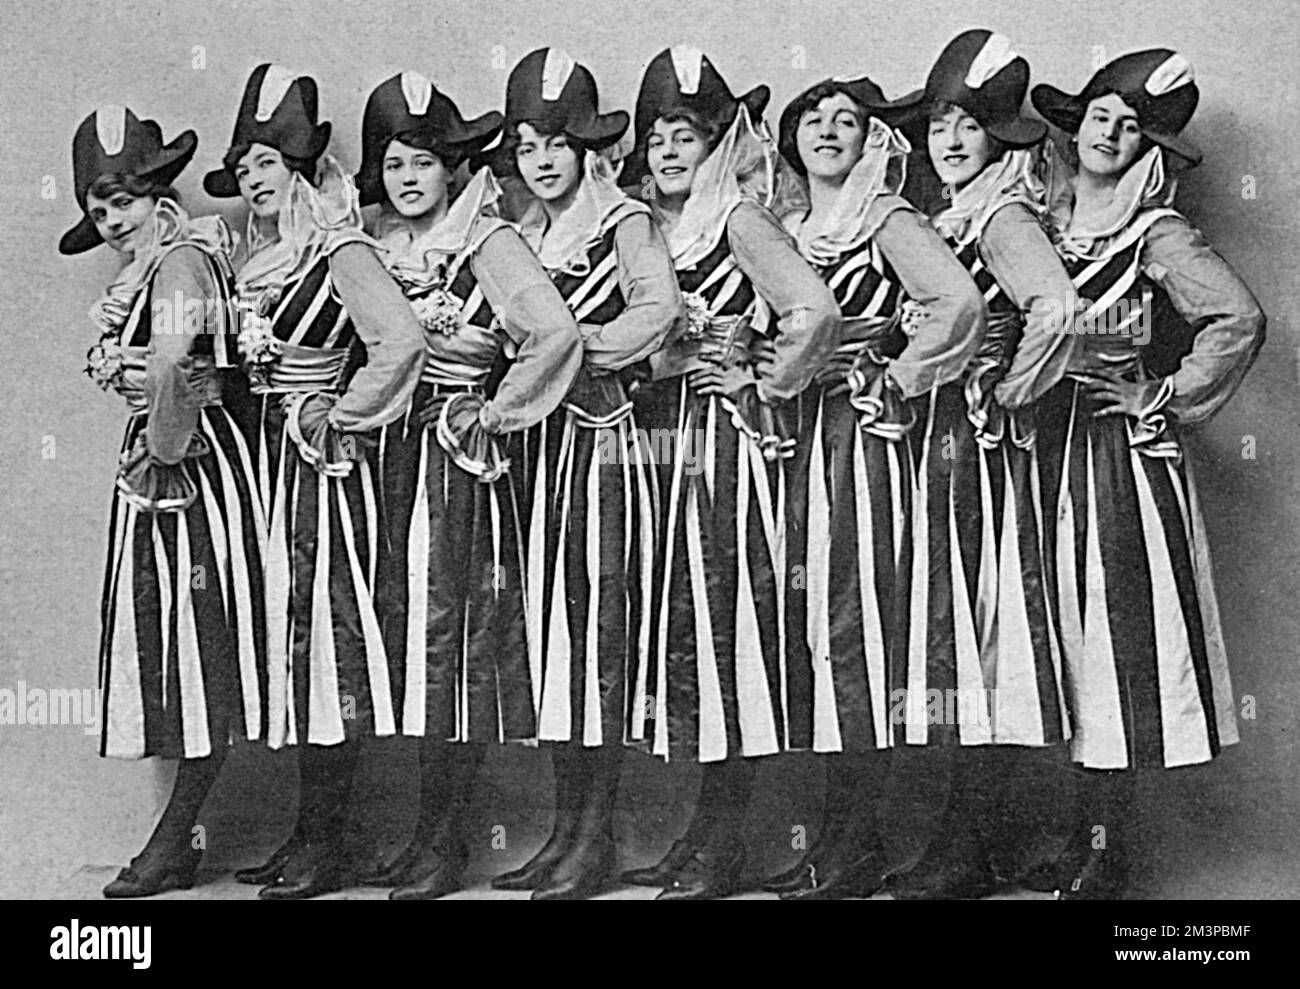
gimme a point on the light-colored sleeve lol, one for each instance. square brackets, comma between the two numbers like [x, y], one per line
[380, 391]
[654, 302]
[1224, 315]
[1020, 256]
[951, 323]
[181, 283]
[534, 315]
[808, 320]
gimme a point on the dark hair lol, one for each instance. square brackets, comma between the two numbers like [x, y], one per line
[110, 184]
[510, 143]
[787, 142]
[450, 155]
[709, 131]
[939, 108]
[306, 167]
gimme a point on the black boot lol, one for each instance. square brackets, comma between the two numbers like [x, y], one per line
[437, 866]
[320, 863]
[716, 867]
[568, 802]
[955, 864]
[266, 872]
[796, 876]
[663, 872]
[1095, 866]
[850, 862]
[169, 860]
[591, 860]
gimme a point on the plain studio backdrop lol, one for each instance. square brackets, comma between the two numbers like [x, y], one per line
[1223, 830]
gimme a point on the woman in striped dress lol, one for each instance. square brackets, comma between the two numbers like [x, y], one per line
[718, 673]
[1147, 675]
[853, 477]
[983, 648]
[310, 290]
[182, 659]
[452, 598]
[587, 478]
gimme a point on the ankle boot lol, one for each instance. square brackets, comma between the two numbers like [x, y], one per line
[149, 876]
[711, 873]
[662, 873]
[435, 872]
[583, 872]
[568, 799]
[314, 869]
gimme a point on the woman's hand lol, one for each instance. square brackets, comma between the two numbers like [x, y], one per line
[719, 380]
[834, 374]
[1114, 395]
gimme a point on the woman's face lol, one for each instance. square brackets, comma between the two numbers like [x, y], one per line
[123, 220]
[264, 181]
[1109, 138]
[414, 179]
[830, 137]
[549, 165]
[959, 147]
[674, 152]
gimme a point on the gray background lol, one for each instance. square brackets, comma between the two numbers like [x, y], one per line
[1223, 830]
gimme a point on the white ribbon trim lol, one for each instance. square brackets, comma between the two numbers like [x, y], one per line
[275, 84]
[995, 56]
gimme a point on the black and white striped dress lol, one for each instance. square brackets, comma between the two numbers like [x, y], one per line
[182, 652]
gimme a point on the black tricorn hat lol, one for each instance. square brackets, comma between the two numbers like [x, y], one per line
[406, 103]
[1158, 83]
[979, 72]
[548, 86]
[861, 91]
[114, 141]
[278, 110]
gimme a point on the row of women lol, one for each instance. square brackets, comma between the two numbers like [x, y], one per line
[720, 450]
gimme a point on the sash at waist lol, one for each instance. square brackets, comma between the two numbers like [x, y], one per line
[202, 378]
[304, 369]
[440, 370]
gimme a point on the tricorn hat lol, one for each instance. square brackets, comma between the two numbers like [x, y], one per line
[278, 110]
[1158, 83]
[980, 72]
[114, 141]
[548, 86]
[407, 103]
[683, 76]
[861, 91]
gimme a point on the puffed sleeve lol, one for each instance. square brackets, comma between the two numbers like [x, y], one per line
[654, 302]
[183, 286]
[1224, 315]
[380, 391]
[951, 320]
[1019, 254]
[808, 320]
[535, 317]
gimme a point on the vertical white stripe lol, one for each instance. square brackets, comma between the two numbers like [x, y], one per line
[917, 728]
[826, 719]
[381, 692]
[556, 721]
[279, 648]
[873, 633]
[591, 727]
[195, 730]
[124, 725]
[534, 591]
[1017, 711]
[753, 698]
[418, 577]
[324, 706]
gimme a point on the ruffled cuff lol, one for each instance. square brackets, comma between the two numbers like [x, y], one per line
[461, 433]
[881, 410]
[762, 422]
[327, 450]
[1149, 432]
[153, 486]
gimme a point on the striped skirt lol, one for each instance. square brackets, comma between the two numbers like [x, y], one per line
[589, 550]
[182, 657]
[715, 686]
[850, 496]
[1147, 673]
[980, 660]
[328, 677]
[451, 595]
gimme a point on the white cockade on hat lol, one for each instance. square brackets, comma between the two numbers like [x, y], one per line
[1173, 72]
[110, 127]
[995, 56]
[275, 84]
[555, 73]
[418, 91]
[688, 62]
